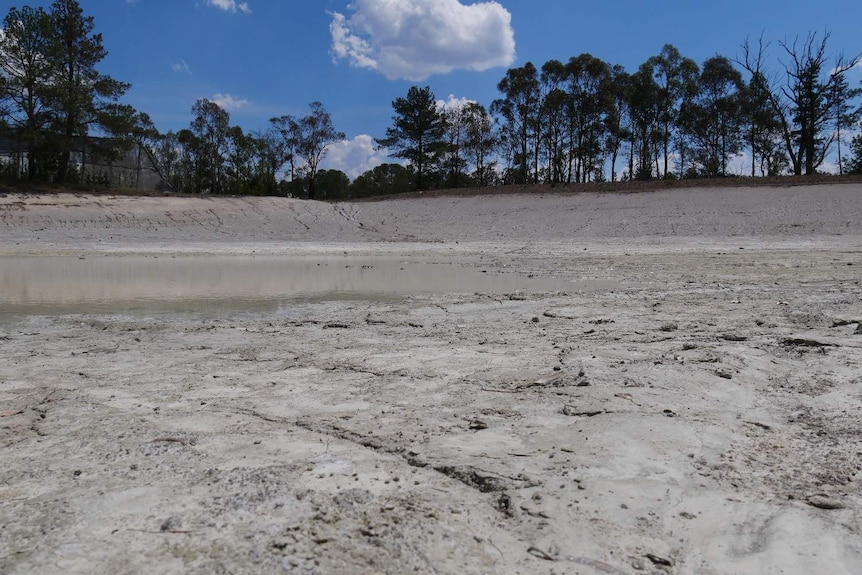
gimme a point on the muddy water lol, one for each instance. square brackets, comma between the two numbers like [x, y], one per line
[226, 284]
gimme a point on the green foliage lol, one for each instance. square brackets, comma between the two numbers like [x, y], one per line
[81, 97]
[383, 180]
[315, 133]
[519, 109]
[51, 93]
[854, 165]
[480, 142]
[417, 133]
[712, 117]
[332, 184]
[26, 75]
[567, 122]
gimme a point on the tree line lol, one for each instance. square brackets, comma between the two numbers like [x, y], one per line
[573, 121]
[586, 120]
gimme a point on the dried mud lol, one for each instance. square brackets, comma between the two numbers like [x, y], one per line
[694, 412]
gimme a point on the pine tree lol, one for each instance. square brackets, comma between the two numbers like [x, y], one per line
[417, 134]
[81, 97]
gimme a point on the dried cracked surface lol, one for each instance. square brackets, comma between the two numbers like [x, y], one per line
[697, 410]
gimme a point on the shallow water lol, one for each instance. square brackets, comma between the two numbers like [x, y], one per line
[224, 284]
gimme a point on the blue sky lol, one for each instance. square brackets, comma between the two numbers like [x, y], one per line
[264, 58]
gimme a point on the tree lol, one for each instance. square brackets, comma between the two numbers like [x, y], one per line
[383, 180]
[141, 136]
[315, 133]
[845, 115]
[332, 184]
[645, 109]
[554, 114]
[271, 158]
[286, 129]
[520, 109]
[172, 162]
[588, 81]
[617, 116]
[764, 123]
[809, 105]
[675, 77]
[713, 117]
[242, 176]
[418, 130]
[209, 145]
[806, 103]
[81, 97]
[854, 164]
[455, 122]
[480, 142]
[26, 74]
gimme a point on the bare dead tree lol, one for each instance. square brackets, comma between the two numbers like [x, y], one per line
[805, 102]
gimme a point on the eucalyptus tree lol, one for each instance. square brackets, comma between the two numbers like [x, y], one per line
[480, 142]
[675, 78]
[173, 162]
[520, 110]
[617, 115]
[241, 174]
[272, 158]
[141, 135]
[713, 118]
[764, 131]
[210, 128]
[316, 133]
[287, 132]
[555, 112]
[645, 110]
[588, 84]
[26, 73]
[417, 131]
[455, 135]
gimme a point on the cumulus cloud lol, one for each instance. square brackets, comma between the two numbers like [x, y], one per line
[414, 39]
[453, 103]
[229, 102]
[230, 6]
[355, 157]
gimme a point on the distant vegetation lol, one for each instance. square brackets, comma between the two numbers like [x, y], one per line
[574, 122]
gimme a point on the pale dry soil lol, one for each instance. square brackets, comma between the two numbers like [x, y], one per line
[696, 410]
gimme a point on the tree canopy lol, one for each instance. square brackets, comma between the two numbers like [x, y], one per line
[418, 130]
[579, 119]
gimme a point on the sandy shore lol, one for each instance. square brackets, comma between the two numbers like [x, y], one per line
[689, 405]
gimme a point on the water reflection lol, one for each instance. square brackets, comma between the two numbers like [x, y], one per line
[134, 284]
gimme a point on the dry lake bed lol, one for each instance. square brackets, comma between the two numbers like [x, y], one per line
[665, 382]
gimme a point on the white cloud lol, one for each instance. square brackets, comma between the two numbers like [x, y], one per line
[355, 157]
[229, 102]
[230, 5]
[453, 103]
[414, 39]
[181, 66]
